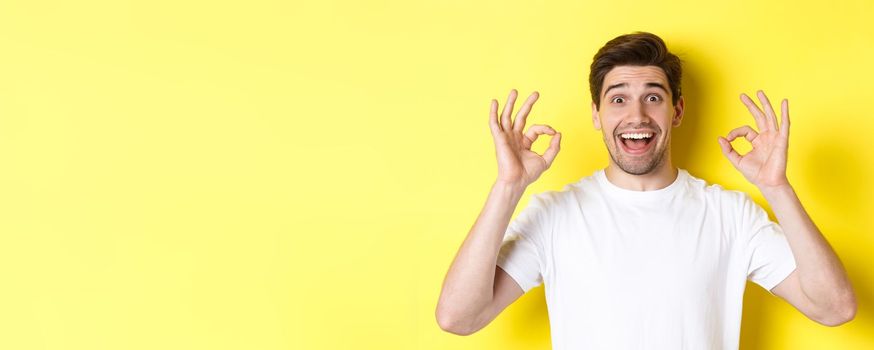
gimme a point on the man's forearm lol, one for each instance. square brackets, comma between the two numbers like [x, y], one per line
[468, 286]
[821, 274]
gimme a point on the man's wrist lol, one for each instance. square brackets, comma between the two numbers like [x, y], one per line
[778, 191]
[515, 189]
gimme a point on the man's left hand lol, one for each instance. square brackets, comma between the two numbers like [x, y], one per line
[764, 165]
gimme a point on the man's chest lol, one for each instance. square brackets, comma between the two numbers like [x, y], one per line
[675, 254]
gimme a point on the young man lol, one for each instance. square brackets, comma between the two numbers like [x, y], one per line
[641, 254]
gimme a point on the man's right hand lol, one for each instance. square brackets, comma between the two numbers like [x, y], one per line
[518, 165]
[475, 290]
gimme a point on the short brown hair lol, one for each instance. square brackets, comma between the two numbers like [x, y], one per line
[636, 49]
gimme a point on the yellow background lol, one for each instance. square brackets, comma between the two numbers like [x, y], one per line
[299, 175]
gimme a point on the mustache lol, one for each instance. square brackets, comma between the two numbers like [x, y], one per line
[637, 127]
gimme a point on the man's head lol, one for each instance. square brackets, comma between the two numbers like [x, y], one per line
[636, 100]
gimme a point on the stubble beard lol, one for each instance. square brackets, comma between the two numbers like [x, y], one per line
[639, 165]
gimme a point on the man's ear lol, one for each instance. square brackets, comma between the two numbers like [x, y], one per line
[678, 112]
[596, 120]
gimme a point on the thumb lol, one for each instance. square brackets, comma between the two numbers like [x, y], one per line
[552, 151]
[729, 151]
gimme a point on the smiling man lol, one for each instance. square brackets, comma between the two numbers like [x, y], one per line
[641, 254]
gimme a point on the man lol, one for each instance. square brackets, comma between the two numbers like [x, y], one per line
[641, 254]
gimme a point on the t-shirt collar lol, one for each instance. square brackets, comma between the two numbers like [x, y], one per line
[661, 193]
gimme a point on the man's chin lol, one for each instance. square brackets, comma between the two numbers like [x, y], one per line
[636, 170]
[638, 164]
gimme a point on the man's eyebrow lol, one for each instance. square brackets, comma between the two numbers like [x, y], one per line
[650, 84]
[614, 86]
[658, 85]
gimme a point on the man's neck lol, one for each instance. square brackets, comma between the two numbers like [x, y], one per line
[655, 180]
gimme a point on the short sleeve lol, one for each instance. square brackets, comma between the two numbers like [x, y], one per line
[768, 254]
[521, 253]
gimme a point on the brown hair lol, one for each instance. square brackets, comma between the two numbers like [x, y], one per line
[636, 49]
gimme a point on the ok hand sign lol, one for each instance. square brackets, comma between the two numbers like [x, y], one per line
[765, 165]
[517, 164]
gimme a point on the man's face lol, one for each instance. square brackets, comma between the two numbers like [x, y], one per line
[636, 117]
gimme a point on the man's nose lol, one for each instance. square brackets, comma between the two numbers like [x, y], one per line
[637, 114]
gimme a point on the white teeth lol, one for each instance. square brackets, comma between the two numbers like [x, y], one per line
[636, 136]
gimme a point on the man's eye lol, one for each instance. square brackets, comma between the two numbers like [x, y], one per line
[618, 100]
[653, 98]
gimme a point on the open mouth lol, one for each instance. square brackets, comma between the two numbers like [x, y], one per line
[636, 142]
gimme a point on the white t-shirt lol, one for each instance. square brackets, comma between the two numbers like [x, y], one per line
[663, 269]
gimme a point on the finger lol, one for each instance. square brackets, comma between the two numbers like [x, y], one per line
[746, 131]
[784, 111]
[729, 151]
[552, 151]
[522, 115]
[755, 111]
[770, 117]
[493, 118]
[533, 132]
[506, 124]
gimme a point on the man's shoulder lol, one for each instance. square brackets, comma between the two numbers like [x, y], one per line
[716, 190]
[569, 194]
[588, 186]
[551, 197]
